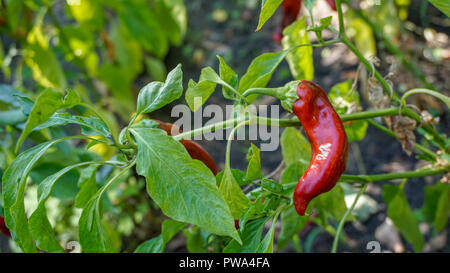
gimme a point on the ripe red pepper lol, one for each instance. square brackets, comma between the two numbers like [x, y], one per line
[3, 227]
[291, 9]
[332, 4]
[329, 144]
[194, 149]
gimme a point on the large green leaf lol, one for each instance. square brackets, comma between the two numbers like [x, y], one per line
[401, 214]
[172, 174]
[157, 94]
[13, 189]
[300, 59]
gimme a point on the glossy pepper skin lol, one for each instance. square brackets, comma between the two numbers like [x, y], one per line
[291, 9]
[194, 149]
[328, 140]
[3, 228]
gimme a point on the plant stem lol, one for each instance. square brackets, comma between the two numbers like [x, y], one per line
[230, 138]
[395, 50]
[340, 18]
[390, 176]
[342, 222]
[418, 147]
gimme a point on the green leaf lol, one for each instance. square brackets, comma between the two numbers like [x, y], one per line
[157, 94]
[442, 5]
[156, 245]
[172, 15]
[331, 204]
[266, 245]
[47, 103]
[90, 126]
[238, 175]
[156, 68]
[361, 33]
[295, 147]
[271, 185]
[203, 89]
[254, 164]
[13, 189]
[260, 71]
[39, 56]
[196, 239]
[183, 179]
[91, 232]
[291, 224]
[87, 12]
[345, 101]
[127, 50]
[40, 226]
[88, 186]
[300, 59]
[142, 22]
[268, 8]
[293, 172]
[228, 75]
[437, 204]
[401, 214]
[251, 238]
[234, 196]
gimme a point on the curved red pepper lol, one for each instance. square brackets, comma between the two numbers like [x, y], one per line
[3, 227]
[328, 140]
[194, 149]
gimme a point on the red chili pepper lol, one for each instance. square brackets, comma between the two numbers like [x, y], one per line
[291, 9]
[332, 4]
[3, 227]
[328, 140]
[194, 149]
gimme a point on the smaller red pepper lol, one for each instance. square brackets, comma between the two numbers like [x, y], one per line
[194, 149]
[291, 9]
[332, 4]
[3, 227]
